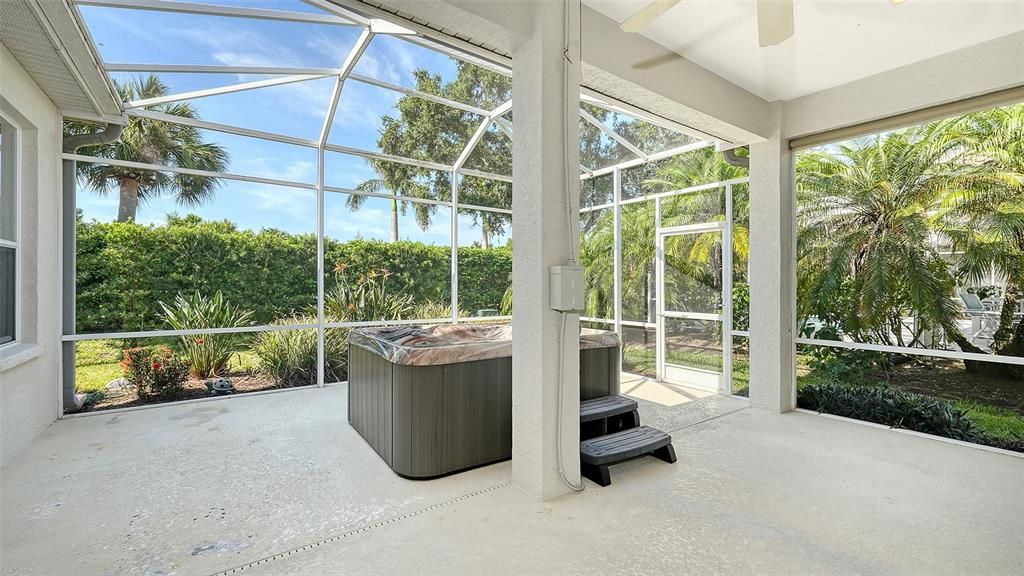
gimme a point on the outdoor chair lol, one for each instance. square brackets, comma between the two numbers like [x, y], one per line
[984, 318]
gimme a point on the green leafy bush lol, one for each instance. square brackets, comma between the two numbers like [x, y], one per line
[155, 373]
[841, 364]
[125, 269]
[289, 356]
[900, 409]
[893, 408]
[207, 354]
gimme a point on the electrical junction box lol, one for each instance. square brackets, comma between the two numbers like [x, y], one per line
[567, 288]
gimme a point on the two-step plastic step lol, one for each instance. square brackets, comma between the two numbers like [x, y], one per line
[630, 441]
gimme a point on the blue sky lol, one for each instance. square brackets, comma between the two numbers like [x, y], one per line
[136, 37]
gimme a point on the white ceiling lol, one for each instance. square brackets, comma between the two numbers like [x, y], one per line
[835, 41]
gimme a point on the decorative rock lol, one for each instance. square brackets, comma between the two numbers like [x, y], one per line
[118, 385]
[220, 386]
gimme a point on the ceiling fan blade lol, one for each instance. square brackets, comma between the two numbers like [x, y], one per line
[648, 14]
[774, 21]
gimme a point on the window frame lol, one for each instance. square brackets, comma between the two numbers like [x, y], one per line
[10, 158]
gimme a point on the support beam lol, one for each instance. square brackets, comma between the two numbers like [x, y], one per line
[772, 271]
[612, 134]
[545, 208]
[215, 10]
[230, 89]
[218, 69]
[346, 68]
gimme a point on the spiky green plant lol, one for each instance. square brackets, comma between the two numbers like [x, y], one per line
[289, 356]
[206, 354]
[366, 297]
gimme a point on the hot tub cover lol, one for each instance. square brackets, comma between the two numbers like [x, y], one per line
[452, 343]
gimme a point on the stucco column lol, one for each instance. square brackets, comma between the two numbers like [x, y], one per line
[772, 273]
[545, 228]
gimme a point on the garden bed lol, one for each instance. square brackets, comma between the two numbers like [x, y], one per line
[191, 390]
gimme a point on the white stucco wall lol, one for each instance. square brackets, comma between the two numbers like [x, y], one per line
[981, 69]
[29, 394]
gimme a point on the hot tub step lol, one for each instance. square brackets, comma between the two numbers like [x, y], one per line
[606, 407]
[598, 453]
[607, 414]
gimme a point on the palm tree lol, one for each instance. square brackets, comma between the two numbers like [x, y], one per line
[400, 181]
[154, 142]
[692, 258]
[985, 223]
[867, 251]
[375, 186]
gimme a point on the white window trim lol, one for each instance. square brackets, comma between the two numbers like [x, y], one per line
[15, 143]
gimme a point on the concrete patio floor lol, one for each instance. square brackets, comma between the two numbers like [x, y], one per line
[279, 484]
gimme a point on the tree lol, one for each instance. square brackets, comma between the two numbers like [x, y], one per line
[433, 132]
[699, 259]
[867, 251]
[984, 224]
[153, 142]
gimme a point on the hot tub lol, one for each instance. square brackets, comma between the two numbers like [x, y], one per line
[437, 400]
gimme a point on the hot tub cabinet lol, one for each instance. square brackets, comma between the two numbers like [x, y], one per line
[438, 400]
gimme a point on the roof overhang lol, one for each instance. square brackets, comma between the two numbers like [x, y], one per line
[50, 43]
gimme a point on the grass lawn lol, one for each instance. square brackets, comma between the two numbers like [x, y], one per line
[641, 360]
[992, 420]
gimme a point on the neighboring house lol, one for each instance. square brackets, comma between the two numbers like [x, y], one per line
[47, 71]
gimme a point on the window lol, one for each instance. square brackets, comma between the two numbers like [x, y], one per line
[8, 233]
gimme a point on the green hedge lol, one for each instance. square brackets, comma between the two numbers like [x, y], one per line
[124, 269]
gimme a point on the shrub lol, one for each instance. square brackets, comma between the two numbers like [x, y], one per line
[893, 408]
[841, 364]
[155, 373]
[433, 310]
[366, 297]
[289, 356]
[126, 268]
[208, 354]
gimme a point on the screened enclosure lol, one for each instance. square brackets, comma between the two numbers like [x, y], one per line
[293, 170]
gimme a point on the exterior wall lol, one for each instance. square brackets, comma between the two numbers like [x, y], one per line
[29, 394]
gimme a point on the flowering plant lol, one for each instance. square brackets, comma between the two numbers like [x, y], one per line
[155, 372]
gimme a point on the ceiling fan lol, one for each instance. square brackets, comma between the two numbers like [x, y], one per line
[774, 19]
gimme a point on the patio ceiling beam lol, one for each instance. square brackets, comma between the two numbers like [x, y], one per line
[218, 10]
[189, 171]
[225, 128]
[220, 90]
[418, 94]
[346, 68]
[612, 134]
[600, 100]
[216, 69]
